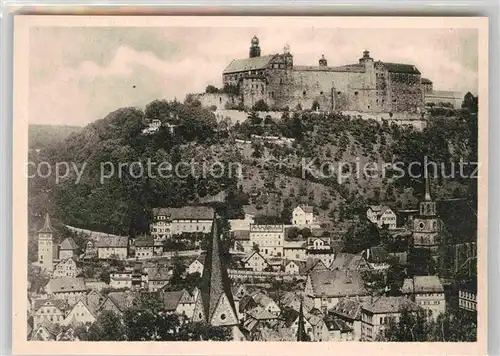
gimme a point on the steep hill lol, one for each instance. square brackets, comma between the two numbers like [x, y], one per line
[112, 196]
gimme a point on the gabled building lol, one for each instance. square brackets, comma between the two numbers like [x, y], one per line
[69, 289]
[427, 292]
[179, 302]
[118, 302]
[377, 314]
[327, 287]
[347, 312]
[350, 261]
[67, 249]
[51, 309]
[303, 215]
[80, 314]
[215, 304]
[197, 265]
[113, 247]
[256, 262]
[158, 278]
[65, 268]
[173, 221]
[144, 248]
[382, 216]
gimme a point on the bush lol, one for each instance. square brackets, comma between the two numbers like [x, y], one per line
[260, 105]
[210, 89]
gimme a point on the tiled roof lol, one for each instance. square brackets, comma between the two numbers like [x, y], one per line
[172, 299]
[390, 305]
[186, 213]
[422, 284]
[66, 284]
[426, 81]
[260, 313]
[348, 261]
[306, 208]
[246, 64]
[333, 323]
[58, 303]
[401, 68]
[337, 283]
[122, 300]
[241, 235]
[348, 307]
[112, 241]
[144, 243]
[158, 274]
[68, 244]
[378, 254]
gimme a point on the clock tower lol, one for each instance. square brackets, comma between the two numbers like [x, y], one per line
[427, 226]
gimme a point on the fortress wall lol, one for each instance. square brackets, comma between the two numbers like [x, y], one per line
[220, 100]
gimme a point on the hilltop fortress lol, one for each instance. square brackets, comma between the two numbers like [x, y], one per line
[367, 86]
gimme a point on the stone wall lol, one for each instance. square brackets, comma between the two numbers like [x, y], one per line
[219, 100]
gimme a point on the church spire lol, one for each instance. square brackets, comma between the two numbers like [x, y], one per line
[47, 228]
[427, 185]
[217, 304]
[301, 330]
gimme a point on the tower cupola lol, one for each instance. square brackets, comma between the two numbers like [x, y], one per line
[254, 47]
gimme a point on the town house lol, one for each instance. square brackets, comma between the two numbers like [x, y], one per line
[144, 248]
[380, 312]
[256, 262]
[173, 221]
[269, 238]
[80, 314]
[114, 247]
[302, 216]
[381, 216]
[348, 311]
[67, 248]
[51, 309]
[427, 292]
[65, 268]
[327, 287]
[69, 289]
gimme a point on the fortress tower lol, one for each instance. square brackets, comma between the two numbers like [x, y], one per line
[46, 246]
[254, 48]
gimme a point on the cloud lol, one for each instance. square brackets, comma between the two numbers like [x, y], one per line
[81, 79]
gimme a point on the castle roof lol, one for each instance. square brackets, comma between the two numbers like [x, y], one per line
[47, 228]
[186, 213]
[246, 64]
[401, 68]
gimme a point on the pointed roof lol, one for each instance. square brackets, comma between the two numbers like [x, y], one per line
[47, 228]
[301, 330]
[215, 280]
[68, 244]
[427, 185]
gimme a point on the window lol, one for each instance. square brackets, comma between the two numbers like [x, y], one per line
[223, 316]
[355, 93]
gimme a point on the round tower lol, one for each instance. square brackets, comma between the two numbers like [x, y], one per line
[254, 47]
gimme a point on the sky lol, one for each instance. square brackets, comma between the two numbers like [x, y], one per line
[80, 74]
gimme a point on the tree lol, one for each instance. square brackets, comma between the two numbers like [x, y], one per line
[286, 213]
[260, 105]
[108, 327]
[210, 89]
[360, 236]
[293, 233]
[412, 326]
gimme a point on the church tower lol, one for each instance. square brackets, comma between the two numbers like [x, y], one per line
[254, 48]
[215, 303]
[46, 246]
[427, 225]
